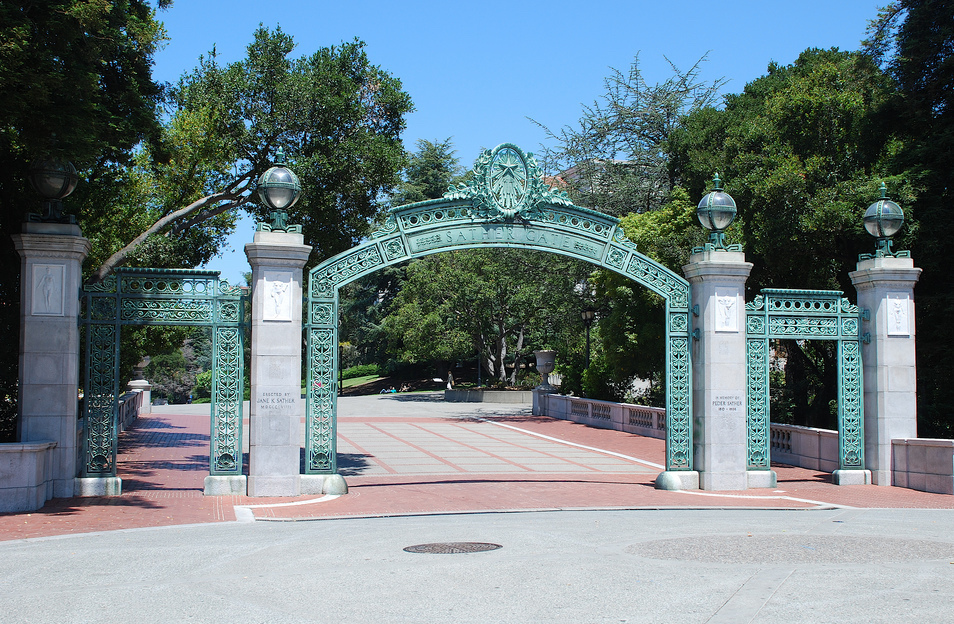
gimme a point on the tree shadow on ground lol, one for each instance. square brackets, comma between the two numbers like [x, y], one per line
[349, 464]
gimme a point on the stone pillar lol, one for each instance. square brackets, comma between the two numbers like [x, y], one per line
[886, 292]
[145, 388]
[277, 260]
[720, 433]
[51, 259]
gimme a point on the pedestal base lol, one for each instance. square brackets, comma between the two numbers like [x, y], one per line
[283, 485]
[761, 479]
[331, 484]
[225, 485]
[678, 480]
[851, 477]
[97, 486]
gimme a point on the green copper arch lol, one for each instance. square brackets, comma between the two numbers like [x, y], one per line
[507, 205]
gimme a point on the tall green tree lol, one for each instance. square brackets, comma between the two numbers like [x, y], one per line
[914, 41]
[75, 83]
[337, 117]
[802, 150]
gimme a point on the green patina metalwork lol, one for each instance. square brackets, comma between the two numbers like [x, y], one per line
[162, 297]
[804, 315]
[508, 204]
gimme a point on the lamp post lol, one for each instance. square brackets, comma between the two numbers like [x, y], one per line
[53, 179]
[588, 315]
[716, 212]
[279, 189]
[883, 219]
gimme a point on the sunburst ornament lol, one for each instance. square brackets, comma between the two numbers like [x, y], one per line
[508, 180]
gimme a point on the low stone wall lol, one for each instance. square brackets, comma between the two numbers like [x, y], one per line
[489, 396]
[130, 406]
[26, 475]
[638, 419]
[806, 447]
[925, 464]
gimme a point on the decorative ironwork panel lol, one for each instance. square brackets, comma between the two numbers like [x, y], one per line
[229, 311]
[678, 406]
[167, 311]
[225, 449]
[394, 249]
[353, 264]
[804, 326]
[100, 396]
[320, 444]
[170, 282]
[757, 403]
[679, 322]
[851, 430]
[162, 297]
[800, 315]
[660, 279]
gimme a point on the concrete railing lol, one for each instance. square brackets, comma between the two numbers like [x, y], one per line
[488, 396]
[130, 405]
[807, 447]
[639, 419]
[925, 464]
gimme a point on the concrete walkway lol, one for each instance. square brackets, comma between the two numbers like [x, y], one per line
[584, 535]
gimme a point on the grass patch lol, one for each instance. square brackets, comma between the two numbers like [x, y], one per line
[357, 381]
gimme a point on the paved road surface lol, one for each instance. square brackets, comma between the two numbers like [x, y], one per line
[584, 536]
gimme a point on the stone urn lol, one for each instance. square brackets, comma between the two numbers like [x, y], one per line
[546, 361]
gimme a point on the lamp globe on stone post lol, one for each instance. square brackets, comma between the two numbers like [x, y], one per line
[54, 179]
[883, 219]
[716, 212]
[279, 189]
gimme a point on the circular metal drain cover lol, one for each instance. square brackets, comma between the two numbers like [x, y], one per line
[452, 548]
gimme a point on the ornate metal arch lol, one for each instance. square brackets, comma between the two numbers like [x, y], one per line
[162, 297]
[805, 315]
[508, 204]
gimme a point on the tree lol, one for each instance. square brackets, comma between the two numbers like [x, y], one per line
[914, 41]
[802, 150]
[499, 304]
[337, 116]
[430, 170]
[615, 158]
[75, 83]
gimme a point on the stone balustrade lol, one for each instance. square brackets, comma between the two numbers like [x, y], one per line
[806, 447]
[130, 405]
[638, 419]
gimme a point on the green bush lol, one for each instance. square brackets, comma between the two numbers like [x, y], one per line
[362, 370]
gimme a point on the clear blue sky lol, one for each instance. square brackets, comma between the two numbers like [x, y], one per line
[477, 70]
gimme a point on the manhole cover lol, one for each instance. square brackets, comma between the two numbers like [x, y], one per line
[452, 548]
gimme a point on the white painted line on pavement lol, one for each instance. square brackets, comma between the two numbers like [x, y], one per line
[323, 499]
[559, 441]
[791, 498]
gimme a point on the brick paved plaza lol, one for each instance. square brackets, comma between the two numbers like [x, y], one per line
[415, 454]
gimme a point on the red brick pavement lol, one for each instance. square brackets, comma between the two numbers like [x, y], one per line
[164, 460]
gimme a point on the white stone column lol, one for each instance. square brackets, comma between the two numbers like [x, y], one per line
[720, 435]
[277, 260]
[886, 290]
[51, 259]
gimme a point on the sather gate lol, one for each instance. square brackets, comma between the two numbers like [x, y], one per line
[507, 205]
